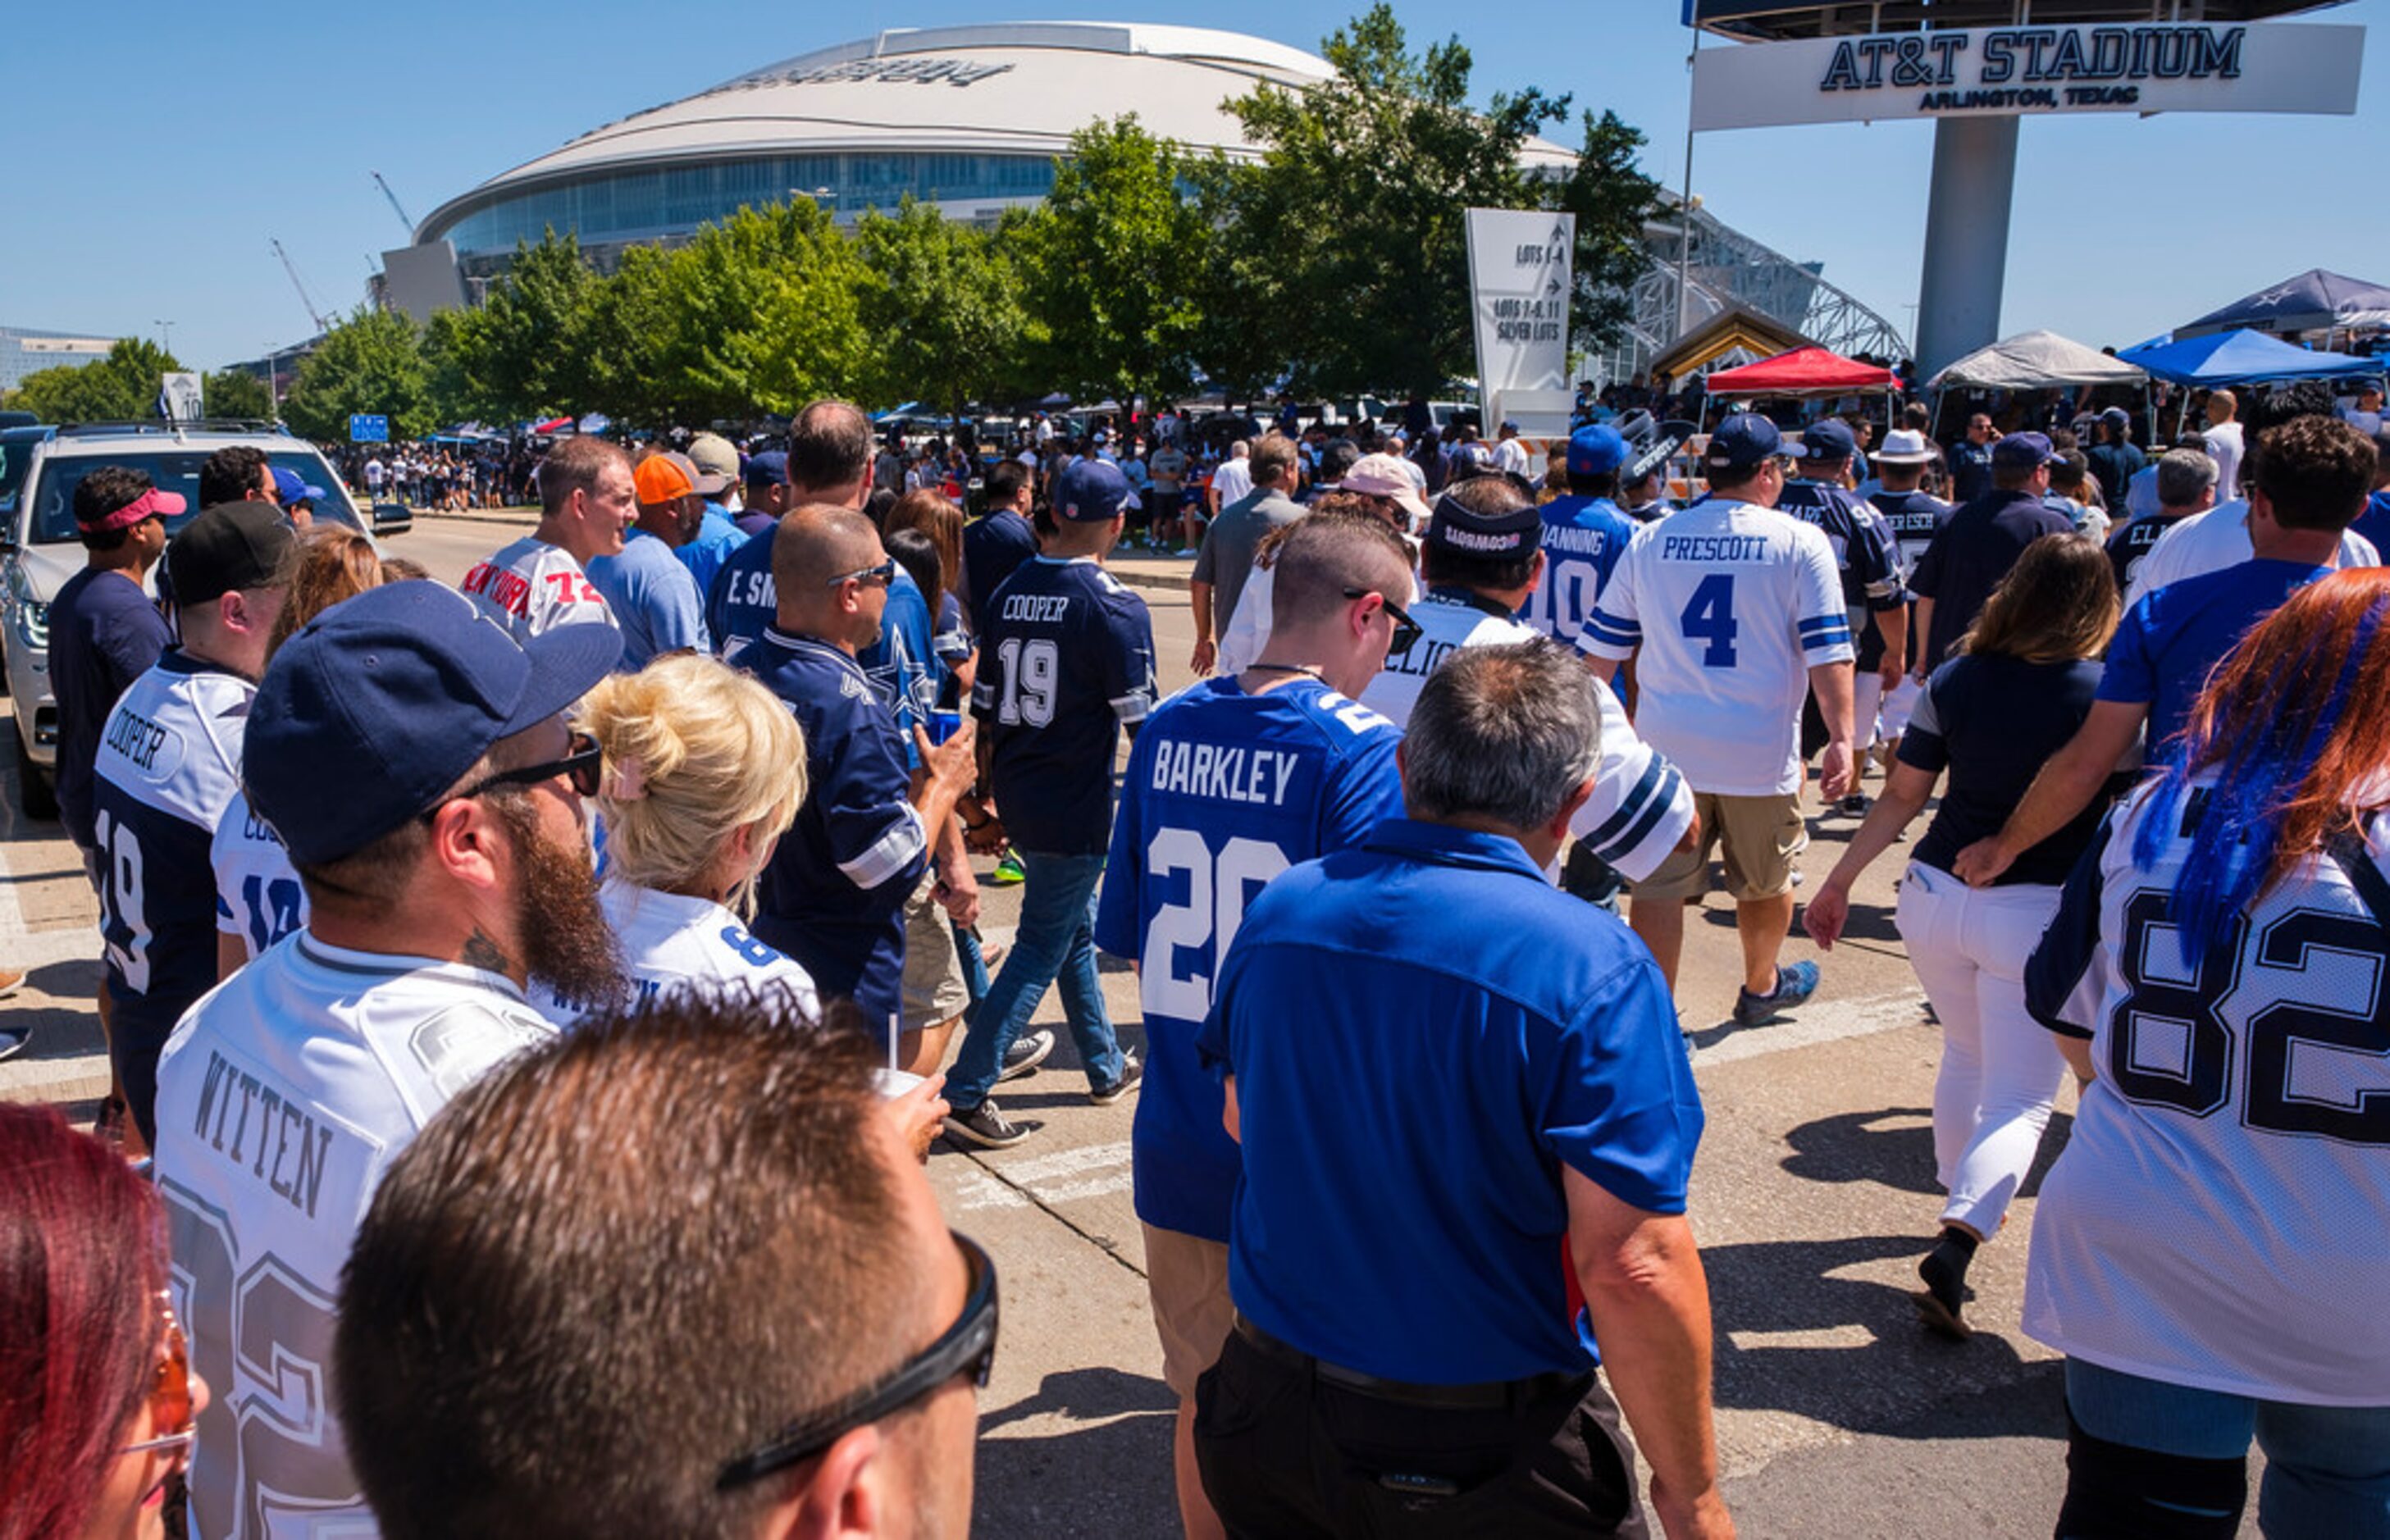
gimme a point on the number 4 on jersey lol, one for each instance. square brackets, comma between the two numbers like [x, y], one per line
[1710, 618]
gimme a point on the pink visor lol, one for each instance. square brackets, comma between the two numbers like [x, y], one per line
[152, 504]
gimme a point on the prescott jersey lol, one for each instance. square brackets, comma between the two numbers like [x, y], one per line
[2217, 1221]
[1914, 518]
[1730, 605]
[532, 586]
[169, 765]
[1584, 537]
[259, 897]
[672, 940]
[1224, 791]
[282, 1098]
[1066, 658]
[1641, 806]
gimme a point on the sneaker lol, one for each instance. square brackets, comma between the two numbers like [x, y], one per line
[1795, 984]
[986, 1126]
[1025, 1055]
[1855, 805]
[11, 980]
[13, 1041]
[1008, 872]
[1131, 1073]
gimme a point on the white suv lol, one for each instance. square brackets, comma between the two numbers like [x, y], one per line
[40, 468]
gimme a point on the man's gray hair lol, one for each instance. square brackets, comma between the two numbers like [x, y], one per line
[1504, 733]
[2183, 474]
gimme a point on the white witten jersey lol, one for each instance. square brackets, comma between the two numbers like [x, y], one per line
[2212, 541]
[1641, 806]
[282, 1098]
[2219, 1220]
[259, 897]
[1730, 605]
[532, 586]
[671, 939]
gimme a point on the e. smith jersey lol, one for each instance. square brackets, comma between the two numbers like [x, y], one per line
[677, 941]
[1641, 806]
[1731, 604]
[282, 1098]
[532, 586]
[259, 897]
[1584, 537]
[2217, 1219]
[1225, 790]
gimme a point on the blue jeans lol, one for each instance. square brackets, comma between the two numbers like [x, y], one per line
[1056, 940]
[2327, 1467]
[974, 962]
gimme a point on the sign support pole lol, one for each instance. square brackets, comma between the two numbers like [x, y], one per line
[1966, 238]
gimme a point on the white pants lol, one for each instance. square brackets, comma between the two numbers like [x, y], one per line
[2000, 1068]
[1898, 702]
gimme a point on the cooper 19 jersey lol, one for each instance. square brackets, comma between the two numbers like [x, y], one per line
[1725, 608]
[532, 586]
[282, 1098]
[1224, 791]
[2217, 1219]
[678, 941]
[259, 896]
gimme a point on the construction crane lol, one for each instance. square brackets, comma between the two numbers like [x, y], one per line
[322, 322]
[394, 205]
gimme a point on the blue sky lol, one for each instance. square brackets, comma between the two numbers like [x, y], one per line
[149, 157]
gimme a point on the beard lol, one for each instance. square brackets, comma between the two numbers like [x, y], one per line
[566, 943]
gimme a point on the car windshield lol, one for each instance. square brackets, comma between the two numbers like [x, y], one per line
[16, 458]
[175, 469]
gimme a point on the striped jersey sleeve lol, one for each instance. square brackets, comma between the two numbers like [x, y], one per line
[1640, 805]
[1824, 621]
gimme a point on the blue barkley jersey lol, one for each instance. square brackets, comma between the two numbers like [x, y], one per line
[169, 765]
[1066, 657]
[1584, 537]
[1224, 791]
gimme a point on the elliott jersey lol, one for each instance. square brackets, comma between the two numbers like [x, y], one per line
[1224, 791]
[2216, 1220]
[282, 1098]
[675, 941]
[1730, 605]
[1641, 806]
[259, 896]
[532, 586]
[1584, 537]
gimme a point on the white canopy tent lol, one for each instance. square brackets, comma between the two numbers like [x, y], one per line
[2033, 361]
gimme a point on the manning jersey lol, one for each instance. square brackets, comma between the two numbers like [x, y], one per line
[259, 897]
[169, 764]
[1641, 806]
[1730, 605]
[532, 586]
[282, 1098]
[674, 940]
[1584, 537]
[2217, 1221]
[1225, 790]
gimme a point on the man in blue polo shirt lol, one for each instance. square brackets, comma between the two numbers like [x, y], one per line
[1066, 660]
[1427, 1112]
[1583, 534]
[1230, 783]
[1976, 549]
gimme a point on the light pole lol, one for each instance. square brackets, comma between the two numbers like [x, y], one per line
[167, 329]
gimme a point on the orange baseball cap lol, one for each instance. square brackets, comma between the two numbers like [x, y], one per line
[662, 477]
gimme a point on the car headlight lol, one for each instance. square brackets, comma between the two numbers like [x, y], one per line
[32, 617]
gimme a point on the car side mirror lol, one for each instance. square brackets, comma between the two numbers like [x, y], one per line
[393, 518]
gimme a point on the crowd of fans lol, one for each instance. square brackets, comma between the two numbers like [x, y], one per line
[539, 997]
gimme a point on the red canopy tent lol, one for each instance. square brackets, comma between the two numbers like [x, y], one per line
[1802, 372]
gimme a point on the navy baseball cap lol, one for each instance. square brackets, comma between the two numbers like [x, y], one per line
[1090, 491]
[1743, 441]
[768, 469]
[1596, 449]
[292, 489]
[1829, 439]
[2021, 452]
[1500, 537]
[379, 705]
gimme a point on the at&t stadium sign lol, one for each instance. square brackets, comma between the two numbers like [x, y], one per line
[2011, 70]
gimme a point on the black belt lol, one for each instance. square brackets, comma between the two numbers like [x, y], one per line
[1492, 1395]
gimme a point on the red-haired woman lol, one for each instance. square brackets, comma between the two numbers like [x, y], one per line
[96, 1399]
[2211, 1252]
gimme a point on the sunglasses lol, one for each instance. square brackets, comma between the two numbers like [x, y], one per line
[170, 1394]
[965, 1347]
[581, 765]
[881, 576]
[1407, 631]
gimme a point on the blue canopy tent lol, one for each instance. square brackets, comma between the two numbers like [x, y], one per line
[2242, 358]
[2314, 301]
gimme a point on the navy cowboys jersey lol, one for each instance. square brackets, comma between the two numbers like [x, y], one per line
[1914, 518]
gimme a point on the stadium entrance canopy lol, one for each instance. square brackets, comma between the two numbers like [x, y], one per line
[2035, 361]
[2243, 358]
[2315, 301]
[1802, 372]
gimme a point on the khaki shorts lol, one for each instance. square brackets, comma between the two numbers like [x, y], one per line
[1187, 1279]
[934, 990]
[1762, 835]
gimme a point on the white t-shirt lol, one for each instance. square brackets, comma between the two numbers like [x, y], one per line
[1731, 604]
[2225, 446]
[1509, 455]
[374, 473]
[2141, 492]
[282, 1098]
[1233, 481]
[1641, 806]
[259, 897]
[2219, 1220]
[2212, 541]
[2365, 422]
[671, 940]
[532, 586]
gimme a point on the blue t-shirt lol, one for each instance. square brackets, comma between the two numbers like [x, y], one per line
[1582, 539]
[104, 635]
[716, 538]
[2374, 522]
[1225, 790]
[1408, 1088]
[833, 894]
[993, 547]
[653, 598]
[2169, 642]
[1066, 658]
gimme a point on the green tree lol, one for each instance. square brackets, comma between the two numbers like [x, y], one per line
[235, 393]
[372, 363]
[1115, 261]
[121, 386]
[941, 308]
[1612, 200]
[522, 354]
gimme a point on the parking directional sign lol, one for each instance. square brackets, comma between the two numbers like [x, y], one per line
[363, 428]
